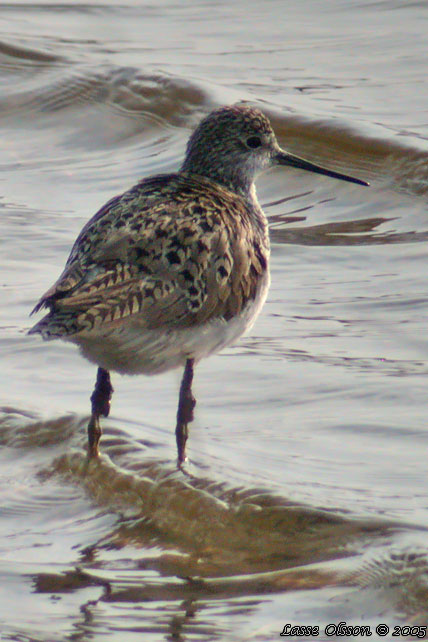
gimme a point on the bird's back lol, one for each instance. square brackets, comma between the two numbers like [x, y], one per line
[175, 251]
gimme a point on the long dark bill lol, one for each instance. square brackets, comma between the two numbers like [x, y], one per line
[284, 158]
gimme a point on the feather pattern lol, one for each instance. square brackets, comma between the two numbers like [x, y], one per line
[175, 251]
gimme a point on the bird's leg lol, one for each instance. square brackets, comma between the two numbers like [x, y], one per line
[100, 400]
[186, 404]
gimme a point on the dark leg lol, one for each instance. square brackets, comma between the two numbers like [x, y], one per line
[100, 400]
[186, 404]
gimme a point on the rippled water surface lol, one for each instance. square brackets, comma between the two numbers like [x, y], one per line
[305, 499]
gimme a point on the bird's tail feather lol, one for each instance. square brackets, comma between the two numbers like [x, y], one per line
[55, 326]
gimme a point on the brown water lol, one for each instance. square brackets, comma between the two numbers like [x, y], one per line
[307, 499]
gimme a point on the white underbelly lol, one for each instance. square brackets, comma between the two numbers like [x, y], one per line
[131, 349]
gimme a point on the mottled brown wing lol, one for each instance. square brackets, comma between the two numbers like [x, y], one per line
[110, 265]
[178, 260]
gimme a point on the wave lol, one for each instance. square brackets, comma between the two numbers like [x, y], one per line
[167, 100]
[227, 541]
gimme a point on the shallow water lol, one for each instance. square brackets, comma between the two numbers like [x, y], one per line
[306, 498]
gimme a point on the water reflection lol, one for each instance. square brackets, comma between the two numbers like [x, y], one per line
[208, 541]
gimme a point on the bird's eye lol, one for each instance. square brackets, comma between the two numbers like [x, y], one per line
[253, 142]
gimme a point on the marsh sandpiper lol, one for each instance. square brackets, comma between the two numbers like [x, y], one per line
[177, 267]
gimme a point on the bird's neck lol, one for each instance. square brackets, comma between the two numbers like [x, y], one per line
[233, 177]
[257, 214]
